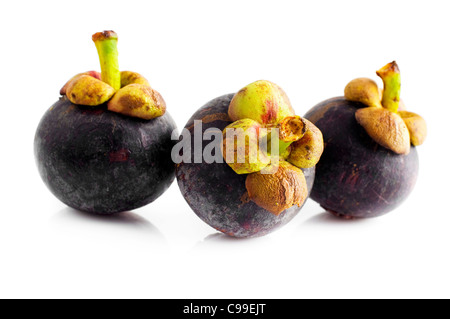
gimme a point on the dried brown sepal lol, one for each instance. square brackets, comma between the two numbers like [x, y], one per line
[363, 90]
[292, 128]
[416, 125]
[281, 190]
[129, 77]
[94, 74]
[89, 91]
[138, 100]
[386, 128]
[307, 151]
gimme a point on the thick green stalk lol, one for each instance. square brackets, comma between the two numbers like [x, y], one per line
[392, 84]
[106, 43]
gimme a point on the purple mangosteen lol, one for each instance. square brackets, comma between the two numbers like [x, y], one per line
[370, 162]
[256, 173]
[105, 146]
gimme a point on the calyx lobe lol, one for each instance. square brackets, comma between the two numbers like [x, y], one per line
[384, 123]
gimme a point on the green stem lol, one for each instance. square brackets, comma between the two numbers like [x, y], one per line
[106, 43]
[390, 74]
[283, 149]
[282, 146]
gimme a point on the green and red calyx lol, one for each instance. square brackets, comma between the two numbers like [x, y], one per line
[382, 118]
[126, 92]
[264, 119]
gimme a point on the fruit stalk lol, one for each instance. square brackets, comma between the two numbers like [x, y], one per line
[106, 43]
[390, 74]
[290, 130]
[275, 146]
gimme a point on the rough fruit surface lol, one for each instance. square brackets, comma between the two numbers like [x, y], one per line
[102, 162]
[356, 177]
[217, 194]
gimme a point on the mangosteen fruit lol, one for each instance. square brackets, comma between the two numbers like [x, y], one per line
[105, 146]
[370, 162]
[246, 162]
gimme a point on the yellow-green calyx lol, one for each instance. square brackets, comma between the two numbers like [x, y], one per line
[306, 152]
[262, 101]
[138, 100]
[241, 148]
[87, 90]
[271, 144]
[126, 92]
[385, 119]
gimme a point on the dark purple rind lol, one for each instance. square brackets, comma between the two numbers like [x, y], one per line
[217, 194]
[356, 177]
[101, 162]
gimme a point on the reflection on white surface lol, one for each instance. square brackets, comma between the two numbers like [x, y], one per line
[222, 238]
[127, 224]
[228, 243]
[327, 218]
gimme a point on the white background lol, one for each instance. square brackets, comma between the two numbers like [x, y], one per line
[193, 51]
